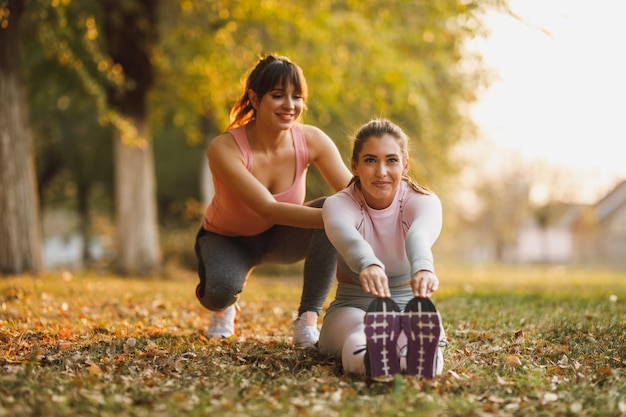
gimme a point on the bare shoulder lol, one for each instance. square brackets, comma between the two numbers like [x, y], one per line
[317, 139]
[223, 139]
[310, 129]
[224, 142]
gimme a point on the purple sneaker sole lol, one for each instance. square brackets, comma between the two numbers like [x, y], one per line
[382, 329]
[422, 325]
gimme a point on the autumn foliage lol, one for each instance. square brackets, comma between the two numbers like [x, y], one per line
[529, 341]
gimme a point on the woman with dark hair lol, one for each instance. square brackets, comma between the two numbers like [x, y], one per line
[258, 213]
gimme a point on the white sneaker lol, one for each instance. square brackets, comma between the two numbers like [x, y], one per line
[303, 335]
[443, 343]
[222, 323]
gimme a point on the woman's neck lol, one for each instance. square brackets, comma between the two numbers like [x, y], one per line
[263, 139]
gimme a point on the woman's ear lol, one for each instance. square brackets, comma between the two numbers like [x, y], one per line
[353, 166]
[405, 169]
[254, 99]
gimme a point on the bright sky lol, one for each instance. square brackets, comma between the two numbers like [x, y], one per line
[560, 94]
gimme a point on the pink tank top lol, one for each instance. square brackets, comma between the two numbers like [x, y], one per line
[229, 216]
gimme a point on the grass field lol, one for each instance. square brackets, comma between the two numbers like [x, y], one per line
[524, 341]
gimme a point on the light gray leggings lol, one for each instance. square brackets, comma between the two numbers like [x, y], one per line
[343, 337]
[224, 262]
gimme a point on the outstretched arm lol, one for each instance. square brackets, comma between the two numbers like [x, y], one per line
[227, 163]
[425, 216]
[339, 215]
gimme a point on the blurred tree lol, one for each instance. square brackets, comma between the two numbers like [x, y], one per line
[20, 230]
[505, 197]
[498, 184]
[73, 151]
[130, 34]
[107, 47]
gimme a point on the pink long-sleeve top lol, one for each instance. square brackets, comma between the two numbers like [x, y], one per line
[398, 238]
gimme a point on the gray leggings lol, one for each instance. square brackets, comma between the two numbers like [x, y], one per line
[224, 262]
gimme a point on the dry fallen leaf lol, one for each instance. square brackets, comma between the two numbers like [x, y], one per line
[513, 360]
[502, 381]
[95, 369]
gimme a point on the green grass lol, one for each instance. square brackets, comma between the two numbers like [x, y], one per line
[524, 341]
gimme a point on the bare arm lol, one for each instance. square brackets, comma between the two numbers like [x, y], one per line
[227, 163]
[323, 153]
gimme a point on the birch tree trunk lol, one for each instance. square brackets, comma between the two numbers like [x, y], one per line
[20, 229]
[136, 214]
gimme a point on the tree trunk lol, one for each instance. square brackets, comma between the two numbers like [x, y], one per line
[84, 221]
[131, 34]
[20, 229]
[137, 233]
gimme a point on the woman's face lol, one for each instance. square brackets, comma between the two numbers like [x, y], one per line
[380, 167]
[281, 106]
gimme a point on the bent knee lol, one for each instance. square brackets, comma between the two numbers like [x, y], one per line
[216, 300]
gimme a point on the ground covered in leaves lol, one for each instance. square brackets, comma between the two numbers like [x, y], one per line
[523, 342]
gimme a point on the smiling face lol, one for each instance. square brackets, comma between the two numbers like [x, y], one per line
[380, 166]
[280, 107]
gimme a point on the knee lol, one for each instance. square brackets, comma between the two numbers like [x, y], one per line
[216, 299]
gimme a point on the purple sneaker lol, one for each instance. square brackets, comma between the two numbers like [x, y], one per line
[422, 325]
[382, 328]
